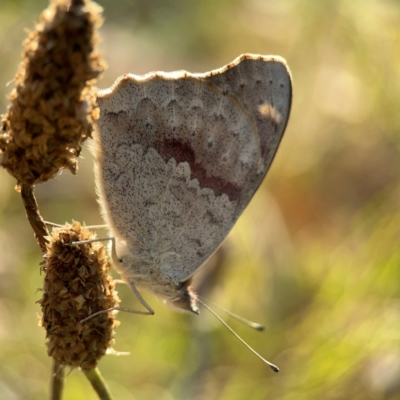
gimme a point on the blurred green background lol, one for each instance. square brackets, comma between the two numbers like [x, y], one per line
[316, 255]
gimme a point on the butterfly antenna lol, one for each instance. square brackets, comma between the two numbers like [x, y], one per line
[272, 366]
[245, 321]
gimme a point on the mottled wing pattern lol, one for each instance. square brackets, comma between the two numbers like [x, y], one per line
[263, 86]
[178, 159]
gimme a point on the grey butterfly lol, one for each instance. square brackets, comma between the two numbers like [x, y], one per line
[178, 156]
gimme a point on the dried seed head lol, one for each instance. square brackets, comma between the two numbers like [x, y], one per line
[53, 105]
[76, 285]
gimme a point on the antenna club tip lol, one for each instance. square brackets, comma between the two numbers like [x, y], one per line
[260, 328]
[274, 368]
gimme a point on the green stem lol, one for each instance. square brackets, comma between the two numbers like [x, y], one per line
[98, 383]
[57, 381]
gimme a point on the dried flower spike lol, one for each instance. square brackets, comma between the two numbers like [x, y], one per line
[53, 105]
[77, 284]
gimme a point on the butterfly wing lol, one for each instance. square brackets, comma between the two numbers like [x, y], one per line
[263, 86]
[178, 158]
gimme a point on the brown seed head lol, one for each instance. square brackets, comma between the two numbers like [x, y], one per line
[53, 105]
[76, 285]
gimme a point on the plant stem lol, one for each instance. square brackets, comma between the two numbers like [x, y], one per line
[33, 215]
[57, 381]
[98, 383]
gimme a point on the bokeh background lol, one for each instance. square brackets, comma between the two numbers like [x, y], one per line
[315, 257]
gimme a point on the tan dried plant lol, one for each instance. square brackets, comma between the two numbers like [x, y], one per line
[77, 284]
[50, 115]
[53, 104]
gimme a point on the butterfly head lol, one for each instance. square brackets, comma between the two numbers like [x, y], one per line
[185, 298]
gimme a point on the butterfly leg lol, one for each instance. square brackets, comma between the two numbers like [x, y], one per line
[117, 261]
[129, 310]
[52, 224]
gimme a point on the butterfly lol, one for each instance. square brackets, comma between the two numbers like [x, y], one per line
[178, 156]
